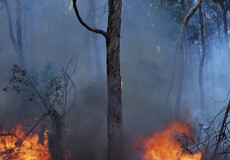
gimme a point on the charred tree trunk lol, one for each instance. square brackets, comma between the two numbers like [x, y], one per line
[114, 113]
[202, 57]
[56, 136]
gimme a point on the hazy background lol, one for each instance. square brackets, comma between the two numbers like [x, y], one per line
[52, 33]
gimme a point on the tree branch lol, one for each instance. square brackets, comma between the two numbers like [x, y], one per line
[222, 129]
[84, 24]
[191, 12]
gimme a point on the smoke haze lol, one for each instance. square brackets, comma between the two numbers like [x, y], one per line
[52, 33]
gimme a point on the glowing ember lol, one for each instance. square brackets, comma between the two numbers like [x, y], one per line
[30, 149]
[165, 145]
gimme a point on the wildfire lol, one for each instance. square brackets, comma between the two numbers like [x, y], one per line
[30, 149]
[167, 145]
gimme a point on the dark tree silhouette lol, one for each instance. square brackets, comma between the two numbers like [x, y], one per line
[114, 114]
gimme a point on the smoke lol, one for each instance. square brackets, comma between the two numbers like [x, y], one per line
[52, 33]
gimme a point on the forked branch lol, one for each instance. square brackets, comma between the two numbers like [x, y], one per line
[191, 12]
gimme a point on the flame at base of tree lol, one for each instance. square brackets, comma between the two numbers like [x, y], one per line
[30, 149]
[169, 144]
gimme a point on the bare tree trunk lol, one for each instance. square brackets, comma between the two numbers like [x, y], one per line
[17, 42]
[114, 122]
[174, 64]
[181, 54]
[11, 32]
[114, 114]
[56, 136]
[202, 104]
[180, 69]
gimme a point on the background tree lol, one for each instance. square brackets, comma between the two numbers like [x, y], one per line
[225, 6]
[202, 57]
[51, 92]
[16, 40]
[181, 52]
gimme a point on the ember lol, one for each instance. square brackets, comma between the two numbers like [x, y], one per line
[30, 149]
[167, 145]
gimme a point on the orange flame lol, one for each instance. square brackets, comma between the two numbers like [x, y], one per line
[164, 146]
[30, 149]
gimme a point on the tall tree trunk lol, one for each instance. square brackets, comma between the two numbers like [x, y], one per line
[114, 122]
[114, 113]
[180, 69]
[174, 64]
[56, 136]
[181, 54]
[17, 42]
[11, 32]
[202, 104]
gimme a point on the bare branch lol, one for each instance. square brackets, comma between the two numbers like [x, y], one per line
[222, 129]
[84, 24]
[191, 12]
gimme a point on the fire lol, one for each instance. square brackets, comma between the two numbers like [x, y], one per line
[30, 149]
[166, 145]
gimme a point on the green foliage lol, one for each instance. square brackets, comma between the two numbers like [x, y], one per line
[176, 9]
